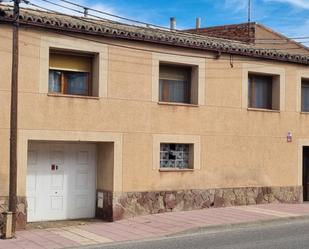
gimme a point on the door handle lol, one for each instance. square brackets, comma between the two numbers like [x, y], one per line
[54, 167]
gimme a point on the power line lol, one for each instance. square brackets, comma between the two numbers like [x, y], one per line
[153, 25]
[288, 38]
[113, 15]
[95, 16]
[189, 35]
[156, 51]
[281, 43]
[261, 40]
[248, 60]
[136, 21]
[92, 21]
[185, 34]
[144, 50]
[62, 6]
[209, 67]
[149, 25]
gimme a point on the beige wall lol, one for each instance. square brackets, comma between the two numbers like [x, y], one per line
[276, 41]
[239, 147]
[5, 72]
[105, 168]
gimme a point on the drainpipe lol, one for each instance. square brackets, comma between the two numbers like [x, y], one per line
[10, 216]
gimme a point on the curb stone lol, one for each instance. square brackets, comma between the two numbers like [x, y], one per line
[203, 229]
[240, 225]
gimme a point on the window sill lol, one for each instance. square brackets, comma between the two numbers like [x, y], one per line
[175, 170]
[303, 112]
[72, 96]
[177, 104]
[262, 110]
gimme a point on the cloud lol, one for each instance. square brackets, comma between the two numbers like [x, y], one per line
[301, 30]
[69, 9]
[236, 5]
[304, 4]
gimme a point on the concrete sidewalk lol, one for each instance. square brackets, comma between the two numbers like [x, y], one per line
[150, 226]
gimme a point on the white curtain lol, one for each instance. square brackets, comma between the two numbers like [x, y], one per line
[262, 93]
[177, 90]
[54, 83]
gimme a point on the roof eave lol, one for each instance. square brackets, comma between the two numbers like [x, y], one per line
[251, 52]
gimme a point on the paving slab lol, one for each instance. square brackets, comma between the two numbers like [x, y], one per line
[149, 226]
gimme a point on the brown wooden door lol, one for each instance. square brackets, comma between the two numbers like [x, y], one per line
[306, 173]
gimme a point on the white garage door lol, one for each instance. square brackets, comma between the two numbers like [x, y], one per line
[61, 181]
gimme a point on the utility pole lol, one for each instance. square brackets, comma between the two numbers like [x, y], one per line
[249, 20]
[11, 214]
[249, 11]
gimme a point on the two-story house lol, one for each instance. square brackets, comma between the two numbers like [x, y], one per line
[116, 120]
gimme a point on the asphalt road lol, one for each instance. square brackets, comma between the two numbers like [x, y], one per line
[287, 235]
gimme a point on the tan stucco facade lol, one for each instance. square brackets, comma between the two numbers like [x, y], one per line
[270, 39]
[235, 146]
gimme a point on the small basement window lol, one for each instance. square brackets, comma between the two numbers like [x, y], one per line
[70, 73]
[178, 83]
[305, 95]
[264, 91]
[178, 156]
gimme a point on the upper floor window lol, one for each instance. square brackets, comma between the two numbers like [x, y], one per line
[70, 73]
[177, 84]
[305, 95]
[263, 91]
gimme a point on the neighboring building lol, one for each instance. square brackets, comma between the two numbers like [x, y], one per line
[116, 121]
[255, 34]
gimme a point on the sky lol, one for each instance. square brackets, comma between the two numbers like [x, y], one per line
[290, 17]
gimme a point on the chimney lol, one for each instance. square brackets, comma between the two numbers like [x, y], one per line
[172, 23]
[198, 22]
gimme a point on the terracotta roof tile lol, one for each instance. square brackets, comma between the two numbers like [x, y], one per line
[114, 29]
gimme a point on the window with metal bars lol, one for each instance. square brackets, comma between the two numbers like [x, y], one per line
[177, 156]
